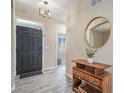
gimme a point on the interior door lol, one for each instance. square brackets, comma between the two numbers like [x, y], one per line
[29, 49]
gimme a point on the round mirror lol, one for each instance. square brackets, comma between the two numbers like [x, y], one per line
[98, 32]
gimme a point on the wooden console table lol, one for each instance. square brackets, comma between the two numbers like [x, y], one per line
[91, 78]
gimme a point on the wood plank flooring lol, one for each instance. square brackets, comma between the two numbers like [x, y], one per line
[52, 81]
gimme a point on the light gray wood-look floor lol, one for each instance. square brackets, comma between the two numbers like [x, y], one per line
[52, 81]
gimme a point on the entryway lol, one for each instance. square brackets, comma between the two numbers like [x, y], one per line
[61, 46]
[28, 51]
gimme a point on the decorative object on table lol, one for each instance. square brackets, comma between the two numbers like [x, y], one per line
[90, 54]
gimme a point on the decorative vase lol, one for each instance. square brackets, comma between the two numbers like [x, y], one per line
[90, 60]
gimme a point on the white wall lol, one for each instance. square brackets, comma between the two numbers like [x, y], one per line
[78, 18]
[13, 48]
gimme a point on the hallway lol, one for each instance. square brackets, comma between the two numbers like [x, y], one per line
[52, 81]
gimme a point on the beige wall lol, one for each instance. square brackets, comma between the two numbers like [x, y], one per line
[50, 56]
[78, 18]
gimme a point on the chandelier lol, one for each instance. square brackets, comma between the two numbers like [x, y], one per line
[45, 12]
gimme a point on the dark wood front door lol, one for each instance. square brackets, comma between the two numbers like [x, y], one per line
[29, 49]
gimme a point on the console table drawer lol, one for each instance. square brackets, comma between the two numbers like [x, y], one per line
[84, 76]
[95, 81]
[76, 72]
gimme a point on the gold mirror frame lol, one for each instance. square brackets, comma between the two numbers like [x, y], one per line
[87, 28]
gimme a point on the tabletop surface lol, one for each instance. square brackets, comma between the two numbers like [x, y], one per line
[94, 64]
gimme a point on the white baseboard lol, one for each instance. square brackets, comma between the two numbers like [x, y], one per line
[17, 77]
[49, 68]
[13, 88]
[68, 75]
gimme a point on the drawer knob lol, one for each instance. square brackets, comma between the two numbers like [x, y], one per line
[94, 82]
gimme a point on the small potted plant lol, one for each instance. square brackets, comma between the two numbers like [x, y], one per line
[90, 54]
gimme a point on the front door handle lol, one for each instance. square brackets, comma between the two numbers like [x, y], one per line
[40, 48]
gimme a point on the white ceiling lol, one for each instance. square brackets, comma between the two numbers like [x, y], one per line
[58, 8]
